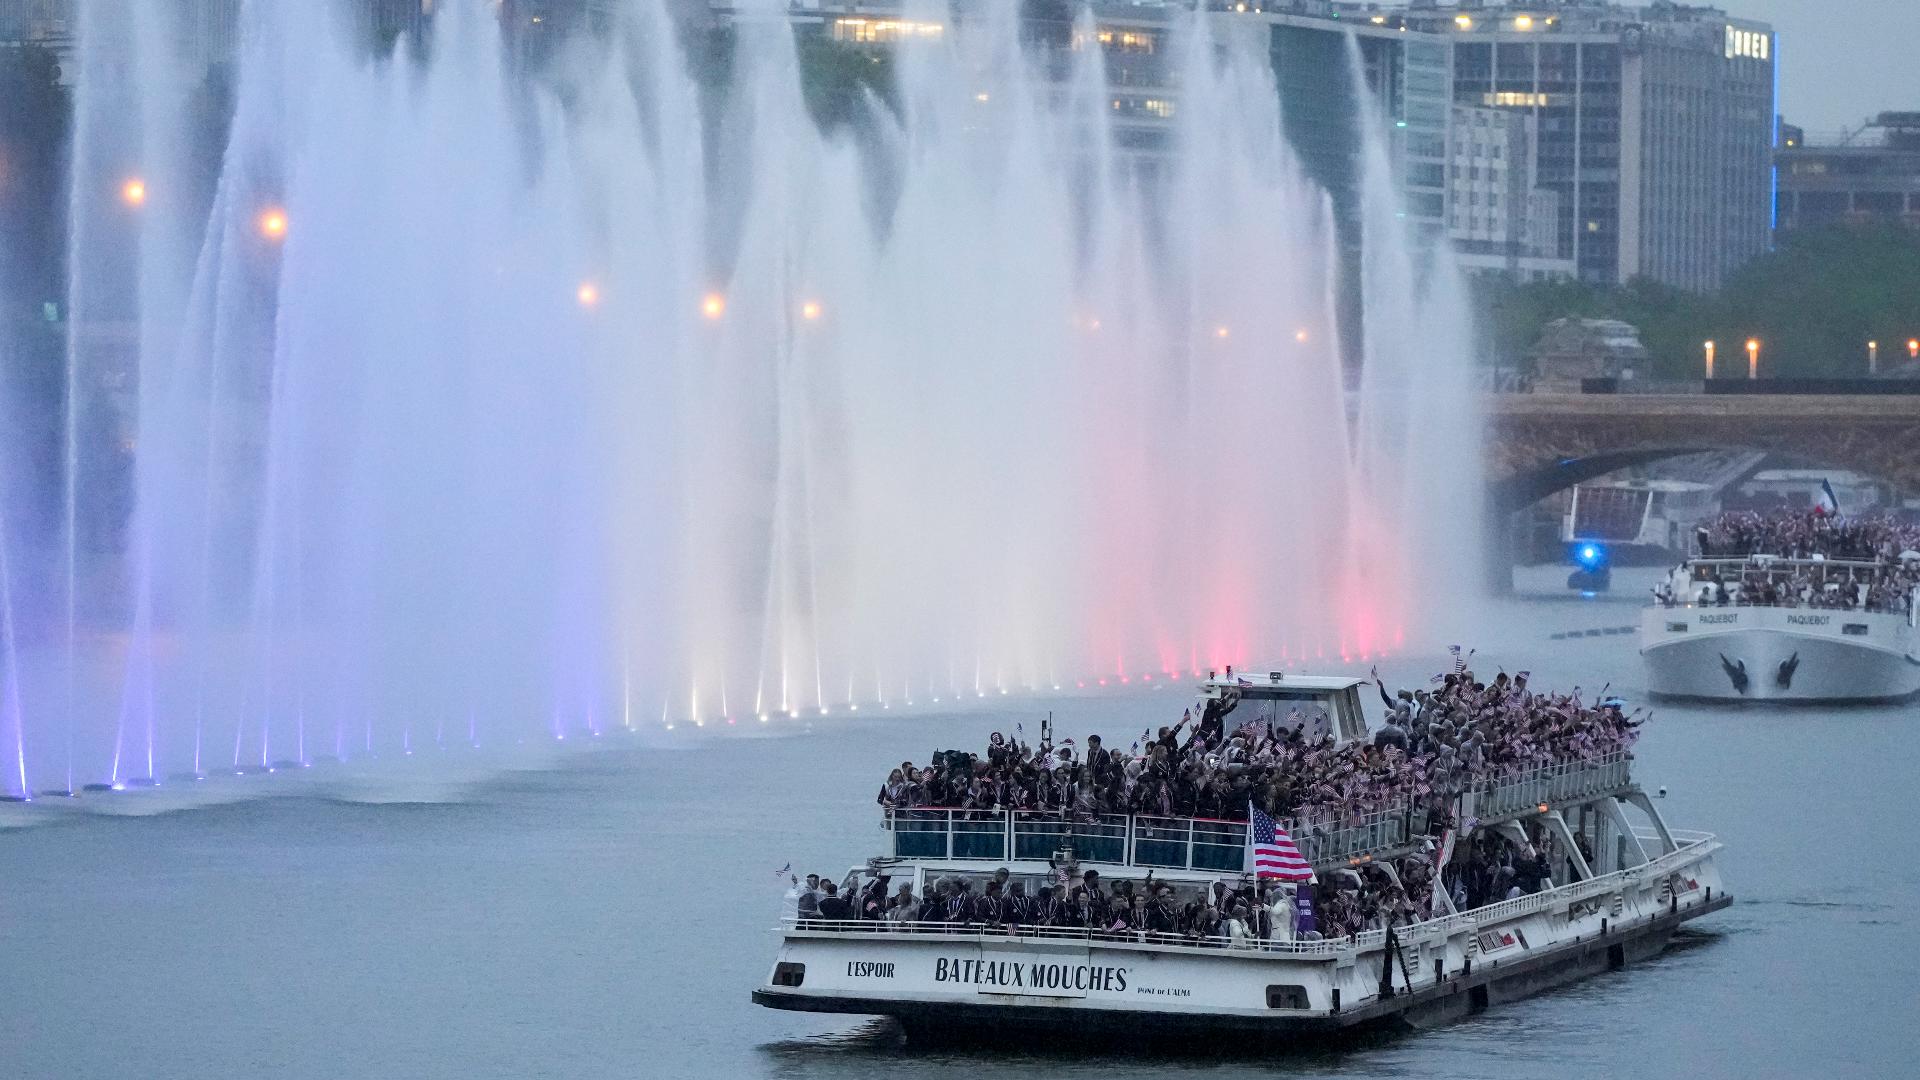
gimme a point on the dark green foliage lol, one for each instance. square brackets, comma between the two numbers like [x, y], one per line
[1814, 304]
[836, 79]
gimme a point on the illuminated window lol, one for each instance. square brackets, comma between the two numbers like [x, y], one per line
[1516, 99]
[1133, 41]
[884, 30]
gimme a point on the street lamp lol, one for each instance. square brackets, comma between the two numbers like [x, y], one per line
[588, 294]
[134, 192]
[1709, 359]
[1753, 358]
[810, 310]
[1913, 348]
[1873, 358]
[273, 224]
[713, 305]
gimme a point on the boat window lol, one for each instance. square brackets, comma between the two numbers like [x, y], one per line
[1676, 628]
[1352, 724]
[1286, 996]
[1285, 710]
[1854, 629]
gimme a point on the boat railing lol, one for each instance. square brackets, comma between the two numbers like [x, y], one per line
[1170, 843]
[1858, 608]
[1557, 783]
[1185, 843]
[924, 930]
[1761, 561]
[1325, 840]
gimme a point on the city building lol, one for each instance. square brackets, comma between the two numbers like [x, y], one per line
[39, 22]
[1872, 175]
[1653, 125]
[1500, 218]
[1572, 350]
[1314, 45]
[48, 24]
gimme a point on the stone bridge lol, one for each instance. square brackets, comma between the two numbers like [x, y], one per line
[1541, 443]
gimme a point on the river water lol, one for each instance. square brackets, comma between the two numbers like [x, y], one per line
[605, 913]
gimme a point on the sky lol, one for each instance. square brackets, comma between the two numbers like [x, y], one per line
[1842, 61]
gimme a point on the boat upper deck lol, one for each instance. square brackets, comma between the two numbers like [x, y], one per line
[1206, 844]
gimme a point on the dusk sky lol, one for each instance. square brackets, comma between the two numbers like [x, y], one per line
[1842, 60]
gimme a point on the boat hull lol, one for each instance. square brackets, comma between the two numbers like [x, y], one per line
[1778, 654]
[972, 988]
[961, 1023]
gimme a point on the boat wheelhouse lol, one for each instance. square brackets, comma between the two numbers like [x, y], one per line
[1619, 883]
[1768, 628]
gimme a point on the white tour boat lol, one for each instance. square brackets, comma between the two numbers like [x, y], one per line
[1715, 635]
[1596, 913]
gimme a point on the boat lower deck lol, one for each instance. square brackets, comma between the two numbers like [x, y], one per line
[1431, 1002]
[940, 981]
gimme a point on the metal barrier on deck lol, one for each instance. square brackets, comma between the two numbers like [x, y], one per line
[1564, 782]
[1176, 843]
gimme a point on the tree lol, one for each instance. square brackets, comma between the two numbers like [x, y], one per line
[1813, 303]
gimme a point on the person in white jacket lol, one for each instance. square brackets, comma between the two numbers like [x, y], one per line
[1238, 935]
[1281, 909]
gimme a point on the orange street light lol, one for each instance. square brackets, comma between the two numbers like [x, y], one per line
[134, 192]
[1873, 357]
[273, 224]
[1221, 332]
[713, 305]
[810, 310]
[1753, 358]
[1709, 359]
[588, 294]
[1913, 348]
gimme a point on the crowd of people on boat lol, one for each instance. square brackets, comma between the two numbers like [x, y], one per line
[1488, 868]
[1435, 742]
[1887, 586]
[1230, 913]
[1802, 535]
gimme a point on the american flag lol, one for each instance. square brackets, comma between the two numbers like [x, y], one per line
[1270, 851]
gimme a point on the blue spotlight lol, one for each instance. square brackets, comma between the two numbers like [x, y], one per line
[1591, 573]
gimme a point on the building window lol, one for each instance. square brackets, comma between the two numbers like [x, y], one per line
[880, 30]
[1516, 99]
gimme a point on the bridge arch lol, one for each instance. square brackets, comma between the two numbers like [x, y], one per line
[1540, 444]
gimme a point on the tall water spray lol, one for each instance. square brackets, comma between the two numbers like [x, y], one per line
[468, 405]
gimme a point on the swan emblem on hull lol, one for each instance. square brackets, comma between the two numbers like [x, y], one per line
[1736, 673]
[1784, 677]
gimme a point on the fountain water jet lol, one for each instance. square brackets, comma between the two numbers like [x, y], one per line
[543, 392]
